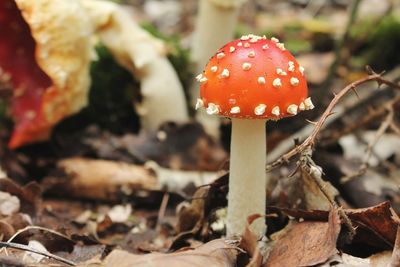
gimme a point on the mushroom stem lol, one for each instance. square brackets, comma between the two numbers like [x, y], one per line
[247, 177]
[215, 26]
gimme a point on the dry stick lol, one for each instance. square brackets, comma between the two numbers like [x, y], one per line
[161, 211]
[27, 248]
[346, 106]
[365, 120]
[369, 151]
[37, 228]
[310, 140]
[308, 165]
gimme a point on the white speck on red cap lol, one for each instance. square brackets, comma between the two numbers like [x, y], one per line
[261, 80]
[199, 103]
[239, 44]
[251, 54]
[220, 55]
[291, 66]
[246, 45]
[294, 81]
[292, 109]
[214, 69]
[235, 110]
[279, 71]
[301, 69]
[281, 46]
[302, 106]
[246, 66]
[308, 103]
[203, 80]
[225, 73]
[275, 40]
[265, 47]
[276, 111]
[260, 109]
[277, 83]
[198, 77]
[212, 109]
[232, 49]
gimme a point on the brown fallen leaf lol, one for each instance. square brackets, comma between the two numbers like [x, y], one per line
[395, 260]
[306, 243]
[218, 252]
[376, 225]
[29, 195]
[249, 243]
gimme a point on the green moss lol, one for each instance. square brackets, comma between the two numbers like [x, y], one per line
[110, 98]
[384, 43]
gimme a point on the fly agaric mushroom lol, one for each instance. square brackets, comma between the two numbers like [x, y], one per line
[251, 80]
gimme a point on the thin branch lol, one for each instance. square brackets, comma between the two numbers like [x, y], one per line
[308, 166]
[310, 140]
[27, 248]
[37, 228]
[371, 116]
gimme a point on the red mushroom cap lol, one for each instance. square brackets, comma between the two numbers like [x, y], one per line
[253, 78]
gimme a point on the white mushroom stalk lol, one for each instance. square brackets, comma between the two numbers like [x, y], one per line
[144, 55]
[247, 177]
[215, 25]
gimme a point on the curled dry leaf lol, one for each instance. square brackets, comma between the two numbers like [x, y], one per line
[306, 243]
[45, 52]
[29, 195]
[217, 253]
[249, 243]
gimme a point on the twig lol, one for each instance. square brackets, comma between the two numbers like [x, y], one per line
[371, 116]
[161, 211]
[27, 248]
[307, 165]
[310, 140]
[37, 228]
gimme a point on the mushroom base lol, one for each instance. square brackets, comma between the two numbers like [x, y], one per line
[247, 177]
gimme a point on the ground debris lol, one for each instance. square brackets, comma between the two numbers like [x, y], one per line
[305, 243]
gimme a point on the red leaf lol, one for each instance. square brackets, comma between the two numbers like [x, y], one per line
[17, 59]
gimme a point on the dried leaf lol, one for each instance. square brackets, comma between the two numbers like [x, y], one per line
[216, 253]
[306, 243]
[29, 195]
[376, 226]
[249, 243]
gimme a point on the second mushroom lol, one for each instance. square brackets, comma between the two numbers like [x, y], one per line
[251, 80]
